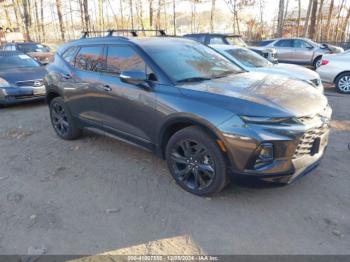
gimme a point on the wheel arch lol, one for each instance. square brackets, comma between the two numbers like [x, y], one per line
[176, 124]
[338, 75]
[50, 96]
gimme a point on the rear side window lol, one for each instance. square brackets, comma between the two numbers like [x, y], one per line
[301, 44]
[68, 55]
[123, 58]
[217, 41]
[284, 43]
[90, 58]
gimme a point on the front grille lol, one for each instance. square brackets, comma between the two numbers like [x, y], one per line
[308, 140]
[38, 82]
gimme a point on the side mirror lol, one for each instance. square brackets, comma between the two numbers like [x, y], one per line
[138, 78]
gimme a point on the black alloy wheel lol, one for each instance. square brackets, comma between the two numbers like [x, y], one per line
[62, 121]
[192, 164]
[59, 119]
[196, 162]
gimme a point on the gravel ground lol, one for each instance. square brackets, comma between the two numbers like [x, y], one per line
[97, 195]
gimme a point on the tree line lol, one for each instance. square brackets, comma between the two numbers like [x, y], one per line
[321, 20]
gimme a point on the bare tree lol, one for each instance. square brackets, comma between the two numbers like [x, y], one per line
[174, 17]
[27, 19]
[312, 29]
[328, 25]
[335, 37]
[345, 25]
[299, 17]
[43, 33]
[280, 20]
[60, 18]
[307, 18]
[150, 10]
[319, 21]
[212, 13]
[86, 14]
[131, 14]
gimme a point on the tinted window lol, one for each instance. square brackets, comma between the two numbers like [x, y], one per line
[199, 38]
[284, 43]
[185, 60]
[27, 48]
[248, 58]
[235, 40]
[265, 42]
[90, 58]
[123, 58]
[68, 55]
[301, 44]
[217, 41]
[17, 61]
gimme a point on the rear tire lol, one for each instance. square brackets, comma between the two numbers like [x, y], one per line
[317, 62]
[196, 162]
[62, 121]
[342, 83]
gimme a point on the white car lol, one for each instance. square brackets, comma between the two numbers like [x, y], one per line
[336, 69]
[251, 62]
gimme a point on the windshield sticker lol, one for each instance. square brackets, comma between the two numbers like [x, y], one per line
[23, 56]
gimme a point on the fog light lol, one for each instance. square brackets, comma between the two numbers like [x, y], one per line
[266, 152]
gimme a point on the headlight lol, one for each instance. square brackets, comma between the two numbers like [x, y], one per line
[268, 120]
[4, 83]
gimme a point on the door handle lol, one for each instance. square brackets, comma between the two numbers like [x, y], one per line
[107, 88]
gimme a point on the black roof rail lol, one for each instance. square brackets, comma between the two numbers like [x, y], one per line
[133, 32]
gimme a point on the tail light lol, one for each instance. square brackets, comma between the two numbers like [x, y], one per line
[324, 62]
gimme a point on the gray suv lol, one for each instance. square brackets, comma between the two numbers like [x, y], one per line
[300, 50]
[190, 106]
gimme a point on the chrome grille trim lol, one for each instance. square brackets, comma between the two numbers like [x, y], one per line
[29, 82]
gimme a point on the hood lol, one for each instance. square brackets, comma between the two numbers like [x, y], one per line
[259, 94]
[293, 71]
[23, 74]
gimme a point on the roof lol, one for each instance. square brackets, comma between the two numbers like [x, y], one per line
[142, 41]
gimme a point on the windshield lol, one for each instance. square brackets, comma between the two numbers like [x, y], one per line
[27, 48]
[190, 61]
[236, 41]
[17, 61]
[248, 57]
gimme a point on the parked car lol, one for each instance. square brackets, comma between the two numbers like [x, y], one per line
[301, 51]
[21, 78]
[39, 52]
[235, 40]
[252, 62]
[189, 105]
[336, 69]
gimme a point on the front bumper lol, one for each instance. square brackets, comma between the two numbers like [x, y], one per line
[297, 150]
[15, 95]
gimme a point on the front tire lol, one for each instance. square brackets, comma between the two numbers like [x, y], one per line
[342, 83]
[62, 121]
[196, 162]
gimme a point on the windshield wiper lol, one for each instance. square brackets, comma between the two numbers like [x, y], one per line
[193, 79]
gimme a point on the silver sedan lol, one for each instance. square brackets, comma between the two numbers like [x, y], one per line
[336, 69]
[251, 62]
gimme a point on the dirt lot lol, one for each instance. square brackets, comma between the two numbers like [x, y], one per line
[97, 195]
